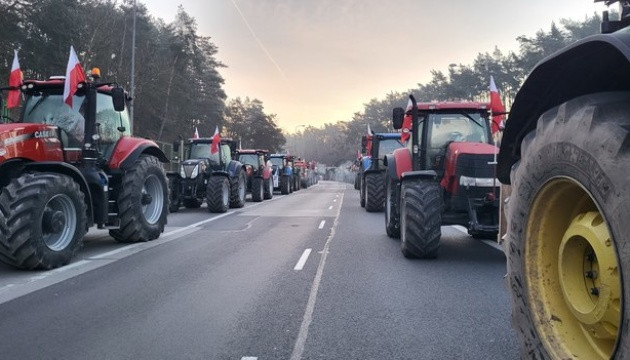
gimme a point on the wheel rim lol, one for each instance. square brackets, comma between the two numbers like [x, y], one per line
[572, 273]
[226, 193]
[152, 199]
[59, 222]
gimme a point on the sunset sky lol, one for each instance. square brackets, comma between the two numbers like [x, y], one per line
[317, 61]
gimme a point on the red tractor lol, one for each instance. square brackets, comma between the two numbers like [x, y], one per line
[445, 175]
[259, 177]
[64, 169]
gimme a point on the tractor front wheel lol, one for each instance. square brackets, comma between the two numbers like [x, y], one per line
[238, 190]
[392, 202]
[268, 185]
[258, 191]
[284, 185]
[420, 219]
[218, 194]
[374, 192]
[567, 245]
[142, 201]
[175, 196]
[46, 219]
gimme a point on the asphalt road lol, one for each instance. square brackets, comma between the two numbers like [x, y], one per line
[232, 286]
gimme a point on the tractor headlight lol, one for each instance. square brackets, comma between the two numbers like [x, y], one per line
[182, 172]
[195, 172]
[480, 182]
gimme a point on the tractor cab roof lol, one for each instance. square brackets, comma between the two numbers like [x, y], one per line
[283, 156]
[252, 151]
[381, 136]
[452, 105]
[205, 140]
[56, 84]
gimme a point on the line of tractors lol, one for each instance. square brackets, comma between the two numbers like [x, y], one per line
[64, 169]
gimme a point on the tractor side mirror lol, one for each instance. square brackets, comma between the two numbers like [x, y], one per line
[175, 146]
[363, 144]
[118, 97]
[397, 117]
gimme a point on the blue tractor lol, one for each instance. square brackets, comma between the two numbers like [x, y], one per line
[282, 171]
[372, 170]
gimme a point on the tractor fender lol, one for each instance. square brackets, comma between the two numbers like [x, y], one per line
[398, 162]
[373, 171]
[598, 63]
[221, 173]
[234, 167]
[128, 150]
[68, 170]
[422, 174]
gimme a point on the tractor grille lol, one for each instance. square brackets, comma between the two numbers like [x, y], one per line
[475, 165]
[188, 169]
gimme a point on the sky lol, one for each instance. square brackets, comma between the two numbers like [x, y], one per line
[318, 61]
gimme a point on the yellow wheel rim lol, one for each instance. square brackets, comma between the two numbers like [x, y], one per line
[572, 273]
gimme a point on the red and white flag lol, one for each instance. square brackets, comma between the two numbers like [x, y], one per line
[496, 107]
[196, 134]
[216, 141]
[74, 76]
[15, 80]
[405, 131]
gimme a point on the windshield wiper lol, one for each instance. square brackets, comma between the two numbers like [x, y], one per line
[471, 118]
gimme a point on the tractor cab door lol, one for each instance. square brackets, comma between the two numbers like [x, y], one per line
[111, 125]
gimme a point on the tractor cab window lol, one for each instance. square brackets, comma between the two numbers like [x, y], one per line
[387, 146]
[248, 159]
[111, 122]
[276, 161]
[202, 151]
[446, 128]
[261, 159]
[50, 109]
[226, 155]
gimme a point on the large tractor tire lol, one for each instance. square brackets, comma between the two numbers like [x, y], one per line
[142, 201]
[46, 219]
[420, 219]
[218, 194]
[374, 192]
[238, 190]
[392, 213]
[568, 247]
[268, 185]
[285, 186]
[192, 203]
[356, 182]
[258, 191]
[175, 199]
[362, 191]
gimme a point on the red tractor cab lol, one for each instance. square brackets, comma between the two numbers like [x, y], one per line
[444, 176]
[259, 173]
[64, 169]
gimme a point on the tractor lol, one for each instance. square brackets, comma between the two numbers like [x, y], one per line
[282, 172]
[444, 176]
[67, 168]
[372, 171]
[301, 174]
[566, 153]
[258, 170]
[215, 177]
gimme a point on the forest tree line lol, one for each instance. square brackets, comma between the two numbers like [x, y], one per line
[177, 85]
[335, 143]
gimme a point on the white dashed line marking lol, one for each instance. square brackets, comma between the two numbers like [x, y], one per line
[321, 224]
[303, 258]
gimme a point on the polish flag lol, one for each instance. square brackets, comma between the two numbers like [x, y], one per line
[405, 131]
[496, 107]
[216, 140]
[368, 140]
[15, 80]
[196, 134]
[74, 76]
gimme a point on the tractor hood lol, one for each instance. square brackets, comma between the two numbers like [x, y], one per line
[472, 162]
[191, 168]
[32, 141]
[456, 148]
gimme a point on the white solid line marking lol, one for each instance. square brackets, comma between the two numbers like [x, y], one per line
[491, 243]
[330, 207]
[303, 258]
[298, 349]
[321, 224]
[249, 358]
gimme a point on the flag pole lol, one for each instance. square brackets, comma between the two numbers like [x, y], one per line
[132, 86]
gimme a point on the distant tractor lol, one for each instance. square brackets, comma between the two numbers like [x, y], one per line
[282, 171]
[445, 175]
[259, 178]
[67, 168]
[566, 154]
[213, 177]
[372, 171]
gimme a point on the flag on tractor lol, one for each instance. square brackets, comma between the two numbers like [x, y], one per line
[216, 141]
[496, 107]
[15, 81]
[368, 140]
[196, 134]
[405, 131]
[74, 76]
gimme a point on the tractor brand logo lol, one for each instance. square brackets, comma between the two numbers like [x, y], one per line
[45, 134]
[16, 139]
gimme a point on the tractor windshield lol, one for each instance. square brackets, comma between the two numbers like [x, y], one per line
[387, 146]
[248, 159]
[277, 161]
[199, 150]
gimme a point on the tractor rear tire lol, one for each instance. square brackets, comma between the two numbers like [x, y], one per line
[374, 192]
[238, 190]
[258, 191]
[362, 191]
[46, 220]
[356, 182]
[268, 185]
[192, 203]
[420, 219]
[567, 214]
[218, 194]
[284, 185]
[392, 204]
[142, 201]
